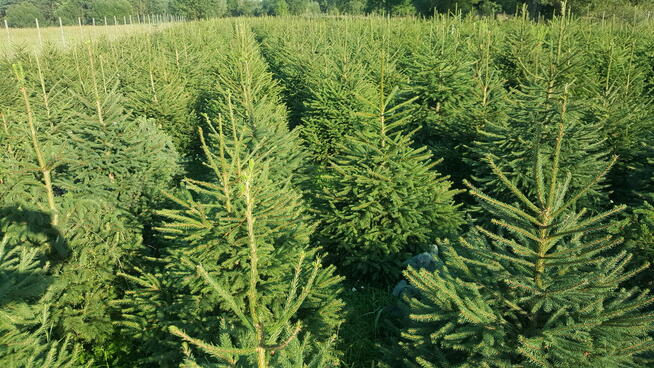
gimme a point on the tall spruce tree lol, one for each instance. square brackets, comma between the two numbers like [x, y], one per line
[269, 324]
[31, 247]
[214, 223]
[540, 288]
[381, 201]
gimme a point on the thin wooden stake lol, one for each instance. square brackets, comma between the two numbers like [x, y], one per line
[8, 34]
[38, 30]
[79, 27]
[61, 29]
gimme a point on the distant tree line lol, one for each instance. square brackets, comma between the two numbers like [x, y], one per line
[21, 13]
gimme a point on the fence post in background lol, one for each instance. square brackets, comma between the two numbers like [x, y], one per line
[130, 19]
[93, 22]
[81, 31]
[138, 18]
[8, 34]
[124, 20]
[38, 30]
[61, 30]
[115, 21]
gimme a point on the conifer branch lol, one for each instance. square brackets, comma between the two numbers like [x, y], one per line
[44, 169]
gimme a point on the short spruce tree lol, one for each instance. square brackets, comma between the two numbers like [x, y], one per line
[542, 288]
[549, 91]
[381, 201]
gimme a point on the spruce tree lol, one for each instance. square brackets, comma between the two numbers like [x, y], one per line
[158, 88]
[551, 91]
[457, 90]
[331, 112]
[624, 110]
[29, 248]
[441, 81]
[122, 158]
[269, 324]
[541, 287]
[209, 227]
[381, 201]
[78, 176]
[244, 87]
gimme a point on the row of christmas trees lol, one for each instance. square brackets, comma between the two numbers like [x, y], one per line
[109, 257]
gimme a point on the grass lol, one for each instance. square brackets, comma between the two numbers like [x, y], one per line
[364, 329]
[33, 40]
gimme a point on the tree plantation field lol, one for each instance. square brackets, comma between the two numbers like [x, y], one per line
[331, 192]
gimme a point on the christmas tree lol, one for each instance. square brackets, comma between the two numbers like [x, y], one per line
[381, 201]
[29, 246]
[541, 287]
[217, 222]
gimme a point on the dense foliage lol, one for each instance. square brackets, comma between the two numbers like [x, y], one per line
[21, 13]
[320, 192]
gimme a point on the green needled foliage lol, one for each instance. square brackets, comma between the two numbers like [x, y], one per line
[92, 168]
[245, 88]
[381, 201]
[28, 244]
[265, 328]
[157, 87]
[212, 229]
[92, 135]
[541, 288]
[622, 105]
[331, 111]
[217, 223]
[548, 94]
[457, 90]
[123, 159]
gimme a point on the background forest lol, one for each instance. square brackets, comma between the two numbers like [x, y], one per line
[457, 191]
[21, 13]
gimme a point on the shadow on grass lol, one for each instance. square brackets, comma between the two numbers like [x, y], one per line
[365, 334]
